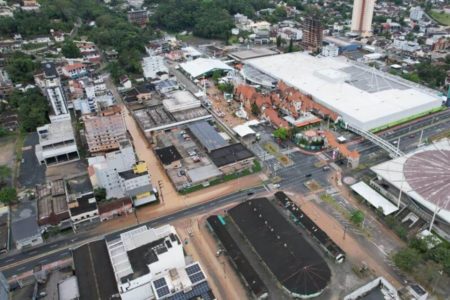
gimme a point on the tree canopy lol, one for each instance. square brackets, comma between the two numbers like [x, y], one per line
[32, 108]
[8, 195]
[21, 67]
[70, 50]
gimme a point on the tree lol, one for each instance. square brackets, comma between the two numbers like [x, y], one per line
[5, 174]
[217, 74]
[357, 217]
[226, 87]
[70, 50]
[281, 133]
[291, 46]
[100, 194]
[255, 109]
[8, 195]
[278, 41]
[407, 258]
[32, 108]
[21, 68]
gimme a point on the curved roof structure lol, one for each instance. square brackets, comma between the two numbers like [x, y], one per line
[424, 175]
[428, 173]
[289, 257]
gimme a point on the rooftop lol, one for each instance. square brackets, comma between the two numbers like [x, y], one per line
[180, 100]
[374, 198]
[94, 272]
[168, 155]
[79, 185]
[252, 53]
[296, 265]
[202, 66]
[229, 154]
[56, 131]
[207, 135]
[49, 70]
[86, 203]
[424, 175]
[363, 96]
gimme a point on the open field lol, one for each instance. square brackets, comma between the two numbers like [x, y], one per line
[440, 16]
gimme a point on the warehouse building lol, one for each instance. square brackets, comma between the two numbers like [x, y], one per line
[362, 96]
[300, 270]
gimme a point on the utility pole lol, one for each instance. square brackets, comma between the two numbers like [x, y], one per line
[400, 195]
[345, 232]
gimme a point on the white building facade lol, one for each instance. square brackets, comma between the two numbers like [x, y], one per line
[56, 141]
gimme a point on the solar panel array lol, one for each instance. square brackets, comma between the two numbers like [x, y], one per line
[161, 287]
[195, 273]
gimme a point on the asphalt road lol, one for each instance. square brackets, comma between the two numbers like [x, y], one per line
[49, 252]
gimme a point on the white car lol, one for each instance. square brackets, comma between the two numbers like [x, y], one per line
[276, 186]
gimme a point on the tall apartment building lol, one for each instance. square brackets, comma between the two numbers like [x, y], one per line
[362, 17]
[312, 33]
[105, 129]
[53, 89]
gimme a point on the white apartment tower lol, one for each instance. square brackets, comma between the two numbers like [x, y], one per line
[53, 89]
[362, 16]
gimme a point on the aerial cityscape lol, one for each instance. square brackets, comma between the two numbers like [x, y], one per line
[225, 149]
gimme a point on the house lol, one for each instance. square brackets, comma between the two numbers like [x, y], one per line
[136, 184]
[81, 201]
[74, 71]
[114, 208]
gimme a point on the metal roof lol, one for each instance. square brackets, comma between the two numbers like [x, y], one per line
[207, 135]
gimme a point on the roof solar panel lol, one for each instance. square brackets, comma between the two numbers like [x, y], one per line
[160, 283]
[197, 277]
[164, 291]
[193, 269]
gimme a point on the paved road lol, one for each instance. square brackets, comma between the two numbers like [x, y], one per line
[53, 251]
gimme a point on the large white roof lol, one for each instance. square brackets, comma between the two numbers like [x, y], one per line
[374, 198]
[201, 66]
[423, 175]
[363, 96]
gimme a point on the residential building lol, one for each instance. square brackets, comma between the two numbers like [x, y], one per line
[362, 17]
[138, 17]
[416, 13]
[407, 46]
[56, 141]
[330, 50]
[81, 201]
[136, 184]
[54, 90]
[118, 207]
[104, 170]
[312, 33]
[105, 129]
[74, 71]
[29, 5]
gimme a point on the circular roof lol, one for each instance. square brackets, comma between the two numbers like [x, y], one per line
[428, 174]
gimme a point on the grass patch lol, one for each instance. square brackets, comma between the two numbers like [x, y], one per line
[405, 120]
[313, 186]
[441, 17]
[330, 200]
[32, 46]
[275, 151]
